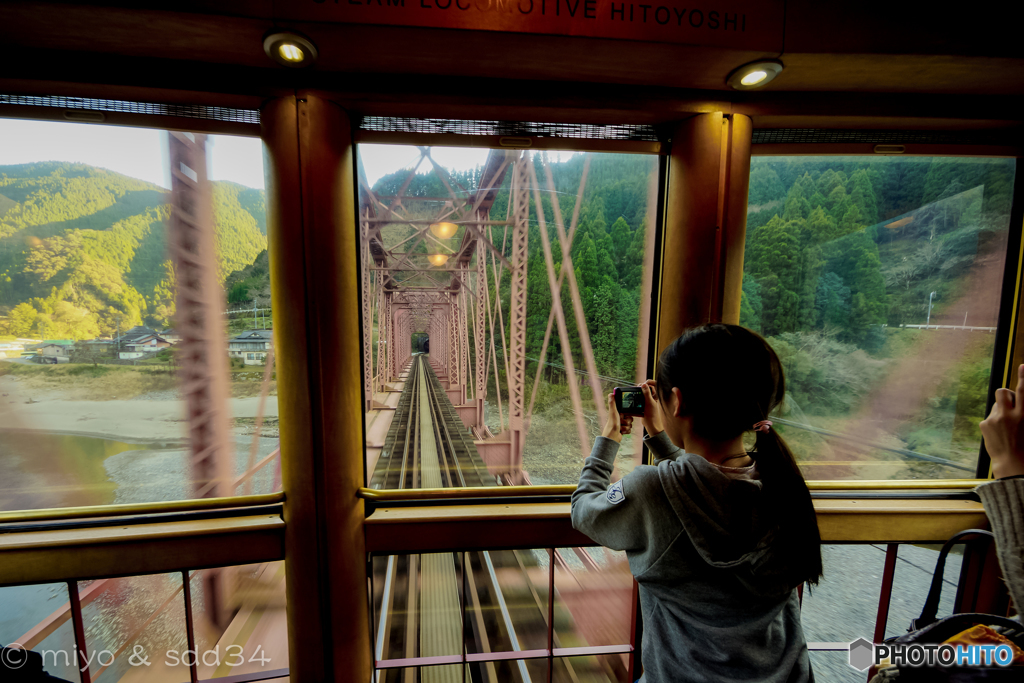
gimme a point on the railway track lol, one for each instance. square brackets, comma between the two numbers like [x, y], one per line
[417, 597]
[426, 425]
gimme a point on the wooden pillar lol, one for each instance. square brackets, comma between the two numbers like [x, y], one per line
[313, 248]
[705, 223]
[736, 189]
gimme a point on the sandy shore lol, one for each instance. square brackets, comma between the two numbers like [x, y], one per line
[117, 419]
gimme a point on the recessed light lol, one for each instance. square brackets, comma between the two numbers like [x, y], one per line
[755, 74]
[290, 49]
[754, 77]
[290, 52]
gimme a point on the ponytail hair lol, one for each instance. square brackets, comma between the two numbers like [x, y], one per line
[730, 379]
[796, 524]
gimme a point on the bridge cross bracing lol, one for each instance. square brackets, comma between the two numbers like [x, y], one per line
[445, 266]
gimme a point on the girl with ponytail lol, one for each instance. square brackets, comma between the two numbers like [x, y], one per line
[718, 538]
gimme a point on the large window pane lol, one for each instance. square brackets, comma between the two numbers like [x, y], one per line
[136, 627]
[878, 282]
[497, 603]
[105, 394]
[458, 268]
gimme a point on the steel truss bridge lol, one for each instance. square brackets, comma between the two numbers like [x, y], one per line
[439, 265]
[442, 266]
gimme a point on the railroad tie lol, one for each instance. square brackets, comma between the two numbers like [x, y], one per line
[440, 616]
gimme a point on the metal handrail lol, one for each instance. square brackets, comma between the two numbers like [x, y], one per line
[140, 508]
[526, 493]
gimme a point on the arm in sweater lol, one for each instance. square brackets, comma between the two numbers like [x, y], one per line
[631, 514]
[1004, 504]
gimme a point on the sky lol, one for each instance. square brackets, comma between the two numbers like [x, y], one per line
[140, 152]
[379, 160]
[135, 152]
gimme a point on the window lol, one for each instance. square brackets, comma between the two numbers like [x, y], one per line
[878, 282]
[143, 623]
[491, 612]
[88, 278]
[458, 269]
[477, 375]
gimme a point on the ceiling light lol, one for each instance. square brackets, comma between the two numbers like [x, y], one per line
[437, 259]
[443, 230]
[752, 78]
[754, 75]
[292, 53]
[290, 49]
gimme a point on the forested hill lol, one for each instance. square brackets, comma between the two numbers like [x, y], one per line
[843, 251]
[854, 243]
[81, 246]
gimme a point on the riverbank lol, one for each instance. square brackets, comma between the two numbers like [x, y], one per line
[86, 382]
[159, 418]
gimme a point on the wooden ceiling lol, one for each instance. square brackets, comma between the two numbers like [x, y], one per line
[872, 65]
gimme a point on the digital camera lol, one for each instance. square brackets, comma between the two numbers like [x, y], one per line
[629, 400]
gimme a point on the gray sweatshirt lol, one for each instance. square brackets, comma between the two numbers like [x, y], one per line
[714, 605]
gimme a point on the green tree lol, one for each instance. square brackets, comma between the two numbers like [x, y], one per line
[810, 273]
[72, 322]
[163, 303]
[628, 315]
[606, 333]
[22, 319]
[858, 264]
[819, 228]
[775, 261]
[622, 238]
[765, 185]
[862, 195]
[832, 301]
[751, 305]
[633, 261]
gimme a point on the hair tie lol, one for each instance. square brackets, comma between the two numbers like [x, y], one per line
[762, 426]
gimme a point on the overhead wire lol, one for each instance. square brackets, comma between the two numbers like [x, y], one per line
[583, 372]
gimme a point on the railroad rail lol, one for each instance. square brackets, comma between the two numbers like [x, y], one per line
[422, 626]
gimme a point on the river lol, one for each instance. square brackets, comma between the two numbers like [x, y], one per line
[47, 470]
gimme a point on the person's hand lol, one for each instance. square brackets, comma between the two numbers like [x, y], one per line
[616, 425]
[1003, 430]
[653, 420]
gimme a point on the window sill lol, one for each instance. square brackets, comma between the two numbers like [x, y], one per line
[66, 554]
[545, 525]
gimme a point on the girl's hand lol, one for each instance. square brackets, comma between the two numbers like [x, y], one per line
[654, 421]
[617, 425]
[1003, 430]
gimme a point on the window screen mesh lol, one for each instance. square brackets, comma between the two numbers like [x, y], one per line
[579, 131]
[191, 111]
[883, 137]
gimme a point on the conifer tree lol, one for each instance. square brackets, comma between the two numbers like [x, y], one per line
[633, 261]
[622, 237]
[775, 261]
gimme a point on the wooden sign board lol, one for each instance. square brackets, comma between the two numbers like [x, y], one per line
[738, 24]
